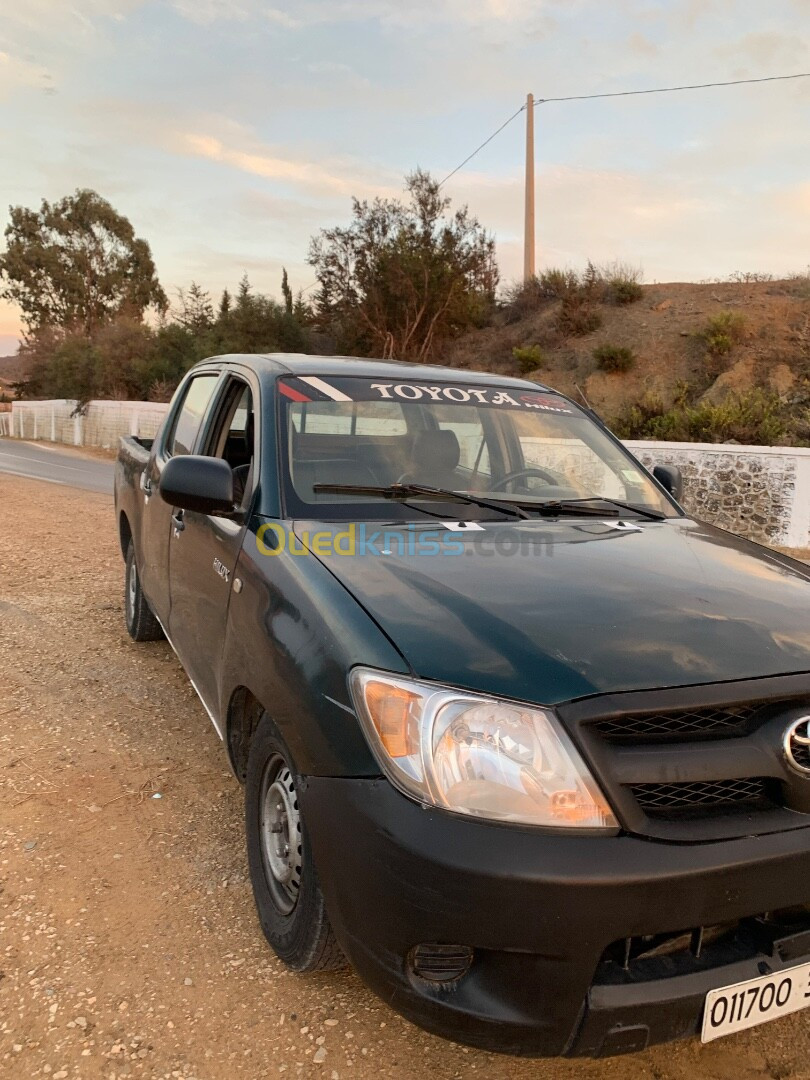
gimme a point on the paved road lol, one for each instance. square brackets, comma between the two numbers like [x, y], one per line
[55, 466]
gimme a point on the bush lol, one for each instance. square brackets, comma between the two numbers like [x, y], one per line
[756, 418]
[615, 283]
[799, 285]
[529, 358]
[624, 290]
[614, 358]
[521, 298]
[722, 332]
[555, 284]
[749, 277]
[577, 316]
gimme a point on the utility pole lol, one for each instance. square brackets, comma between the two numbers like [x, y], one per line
[528, 237]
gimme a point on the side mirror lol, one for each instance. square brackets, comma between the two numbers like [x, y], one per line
[671, 479]
[193, 482]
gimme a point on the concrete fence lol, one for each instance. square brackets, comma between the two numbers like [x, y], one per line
[102, 423]
[762, 492]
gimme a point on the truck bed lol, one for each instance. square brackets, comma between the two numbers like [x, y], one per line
[135, 449]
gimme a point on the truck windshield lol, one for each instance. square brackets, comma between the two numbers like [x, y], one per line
[515, 445]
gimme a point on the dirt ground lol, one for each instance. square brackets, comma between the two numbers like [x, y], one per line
[129, 946]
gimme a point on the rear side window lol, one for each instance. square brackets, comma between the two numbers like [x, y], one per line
[190, 415]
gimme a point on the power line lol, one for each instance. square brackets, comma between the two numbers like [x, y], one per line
[621, 93]
[486, 142]
[672, 89]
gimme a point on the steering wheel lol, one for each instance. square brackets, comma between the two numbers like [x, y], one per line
[544, 474]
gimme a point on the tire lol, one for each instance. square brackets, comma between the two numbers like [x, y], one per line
[288, 897]
[141, 622]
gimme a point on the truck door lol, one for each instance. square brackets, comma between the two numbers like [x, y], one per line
[178, 438]
[203, 549]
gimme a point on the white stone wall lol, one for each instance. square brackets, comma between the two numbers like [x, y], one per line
[762, 492]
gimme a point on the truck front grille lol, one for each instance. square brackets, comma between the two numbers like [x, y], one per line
[704, 763]
[715, 723]
[662, 800]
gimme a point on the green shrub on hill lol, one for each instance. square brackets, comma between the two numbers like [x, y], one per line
[756, 417]
[614, 358]
[529, 358]
[722, 332]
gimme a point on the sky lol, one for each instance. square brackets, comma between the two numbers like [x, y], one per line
[230, 131]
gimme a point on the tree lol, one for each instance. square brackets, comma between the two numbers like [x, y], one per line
[286, 291]
[196, 310]
[258, 324]
[75, 264]
[404, 276]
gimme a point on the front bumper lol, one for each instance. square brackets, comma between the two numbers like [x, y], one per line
[540, 911]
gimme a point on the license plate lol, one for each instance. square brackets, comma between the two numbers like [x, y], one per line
[735, 1008]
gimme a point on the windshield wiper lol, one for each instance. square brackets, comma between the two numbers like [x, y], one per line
[408, 491]
[579, 506]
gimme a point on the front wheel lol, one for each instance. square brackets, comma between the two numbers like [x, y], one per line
[285, 886]
[140, 619]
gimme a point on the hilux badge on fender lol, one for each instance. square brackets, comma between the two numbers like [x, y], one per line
[222, 570]
[797, 746]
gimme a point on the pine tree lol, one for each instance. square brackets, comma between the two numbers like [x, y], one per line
[286, 291]
[196, 311]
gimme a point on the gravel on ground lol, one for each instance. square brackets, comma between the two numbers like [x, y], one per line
[129, 945]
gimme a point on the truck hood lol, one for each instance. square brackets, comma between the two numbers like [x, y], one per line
[581, 607]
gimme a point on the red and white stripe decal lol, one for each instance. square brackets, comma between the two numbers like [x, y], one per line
[291, 393]
[325, 388]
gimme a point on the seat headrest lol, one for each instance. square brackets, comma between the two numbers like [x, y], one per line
[437, 450]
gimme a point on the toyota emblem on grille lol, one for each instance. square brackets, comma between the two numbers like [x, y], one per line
[797, 746]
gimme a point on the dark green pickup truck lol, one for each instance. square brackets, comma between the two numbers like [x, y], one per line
[520, 739]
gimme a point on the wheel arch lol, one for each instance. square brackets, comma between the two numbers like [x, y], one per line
[243, 716]
[124, 532]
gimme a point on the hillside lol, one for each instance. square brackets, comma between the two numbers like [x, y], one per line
[692, 346]
[12, 368]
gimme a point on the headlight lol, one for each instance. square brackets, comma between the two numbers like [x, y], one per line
[476, 755]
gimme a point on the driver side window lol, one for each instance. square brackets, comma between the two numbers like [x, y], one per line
[189, 416]
[234, 439]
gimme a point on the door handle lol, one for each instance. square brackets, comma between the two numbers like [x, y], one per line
[178, 522]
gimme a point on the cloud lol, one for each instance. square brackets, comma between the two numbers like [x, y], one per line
[642, 46]
[796, 200]
[324, 177]
[336, 72]
[205, 12]
[16, 72]
[40, 38]
[394, 13]
[47, 17]
[768, 52]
